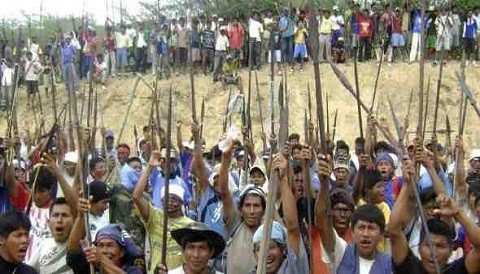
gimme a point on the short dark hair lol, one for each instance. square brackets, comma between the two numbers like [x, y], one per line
[438, 227]
[94, 161]
[58, 201]
[248, 193]
[368, 213]
[370, 178]
[195, 238]
[123, 145]
[294, 136]
[42, 178]
[133, 159]
[11, 221]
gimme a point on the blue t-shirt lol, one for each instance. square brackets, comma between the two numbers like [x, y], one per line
[286, 25]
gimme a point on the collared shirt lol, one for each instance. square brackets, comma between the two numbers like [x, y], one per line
[326, 25]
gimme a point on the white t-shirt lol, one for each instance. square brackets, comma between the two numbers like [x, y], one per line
[179, 270]
[222, 43]
[337, 21]
[340, 247]
[98, 222]
[50, 257]
[39, 232]
[255, 29]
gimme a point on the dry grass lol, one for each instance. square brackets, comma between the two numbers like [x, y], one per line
[395, 83]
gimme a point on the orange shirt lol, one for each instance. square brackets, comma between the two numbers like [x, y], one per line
[319, 267]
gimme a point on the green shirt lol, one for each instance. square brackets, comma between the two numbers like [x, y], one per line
[154, 227]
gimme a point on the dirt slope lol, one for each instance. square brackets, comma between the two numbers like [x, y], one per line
[395, 83]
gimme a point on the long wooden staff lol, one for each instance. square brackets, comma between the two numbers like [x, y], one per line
[82, 154]
[167, 178]
[260, 111]
[427, 100]
[54, 91]
[129, 107]
[377, 77]
[202, 117]
[226, 118]
[357, 88]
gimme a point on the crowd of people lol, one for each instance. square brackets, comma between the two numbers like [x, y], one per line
[185, 208]
[373, 32]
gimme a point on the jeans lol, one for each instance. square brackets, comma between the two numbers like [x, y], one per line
[287, 49]
[220, 57]
[66, 69]
[141, 59]
[255, 55]
[87, 65]
[364, 49]
[111, 61]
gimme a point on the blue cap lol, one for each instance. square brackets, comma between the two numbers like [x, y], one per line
[279, 233]
[384, 157]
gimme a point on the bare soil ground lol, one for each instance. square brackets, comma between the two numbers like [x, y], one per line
[395, 83]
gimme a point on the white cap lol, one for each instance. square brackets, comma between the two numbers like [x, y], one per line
[71, 156]
[335, 8]
[189, 145]
[174, 189]
[475, 153]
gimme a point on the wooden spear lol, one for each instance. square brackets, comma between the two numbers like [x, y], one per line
[168, 146]
[260, 111]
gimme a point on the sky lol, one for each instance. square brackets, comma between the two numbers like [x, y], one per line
[13, 9]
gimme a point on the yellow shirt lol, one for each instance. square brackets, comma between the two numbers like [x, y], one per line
[384, 244]
[326, 26]
[300, 36]
[154, 227]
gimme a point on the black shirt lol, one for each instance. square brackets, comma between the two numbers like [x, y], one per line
[21, 268]
[413, 265]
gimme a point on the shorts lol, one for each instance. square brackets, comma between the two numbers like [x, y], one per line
[397, 40]
[32, 87]
[196, 55]
[443, 43]
[278, 56]
[122, 60]
[300, 51]
[430, 42]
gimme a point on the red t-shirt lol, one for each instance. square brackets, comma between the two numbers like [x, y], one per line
[364, 26]
[21, 198]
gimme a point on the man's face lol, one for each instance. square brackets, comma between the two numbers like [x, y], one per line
[475, 164]
[20, 175]
[99, 207]
[70, 168]
[99, 171]
[376, 193]
[122, 155]
[385, 169]
[109, 141]
[275, 256]
[60, 222]
[174, 204]
[173, 164]
[341, 175]
[442, 249]
[111, 249]
[240, 161]
[16, 245]
[252, 210]
[41, 197]
[366, 236]
[298, 186]
[296, 154]
[341, 217]
[197, 255]
[257, 177]
[136, 165]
